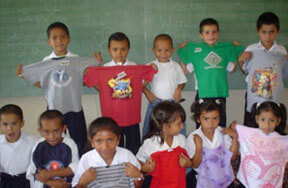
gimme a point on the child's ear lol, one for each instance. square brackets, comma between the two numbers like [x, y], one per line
[279, 120]
[64, 128]
[39, 130]
[22, 124]
[201, 36]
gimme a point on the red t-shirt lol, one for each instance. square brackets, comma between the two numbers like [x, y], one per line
[168, 173]
[120, 90]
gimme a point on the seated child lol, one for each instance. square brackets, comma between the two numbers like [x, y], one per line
[55, 156]
[104, 136]
[264, 150]
[168, 82]
[162, 154]
[15, 148]
[210, 147]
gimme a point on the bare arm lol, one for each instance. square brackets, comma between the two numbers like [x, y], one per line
[45, 175]
[149, 95]
[245, 56]
[178, 92]
[197, 158]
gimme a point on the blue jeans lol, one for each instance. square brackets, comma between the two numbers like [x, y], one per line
[150, 107]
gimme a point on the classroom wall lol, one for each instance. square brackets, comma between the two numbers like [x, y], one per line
[34, 106]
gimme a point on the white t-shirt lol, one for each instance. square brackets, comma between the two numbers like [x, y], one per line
[166, 80]
[152, 145]
[113, 63]
[217, 140]
[93, 159]
[73, 165]
[53, 55]
[15, 157]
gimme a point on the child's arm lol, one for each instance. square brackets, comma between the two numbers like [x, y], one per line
[87, 177]
[19, 71]
[148, 166]
[184, 161]
[133, 172]
[59, 183]
[97, 55]
[197, 158]
[235, 145]
[149, 95]
[184, 68]
[45, 175]
[177, 93]
[245, 56]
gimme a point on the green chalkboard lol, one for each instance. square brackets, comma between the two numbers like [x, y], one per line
[23, 29]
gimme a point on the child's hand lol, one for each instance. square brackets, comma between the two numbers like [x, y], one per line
[183, 44]
[184, 161]
[236, 43]
[43, 175]
[154, 66]
[87, 177]
[178, 95]
[245, 56]
[132, 171]
[232, 133]
[148, 166]
[19, 70]
[59, 183]
[197, 141]
[97, 55]
[233, 125]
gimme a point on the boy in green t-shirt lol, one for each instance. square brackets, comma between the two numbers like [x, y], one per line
[210, 61]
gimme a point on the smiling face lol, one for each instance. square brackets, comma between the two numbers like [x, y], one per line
[209, 122]
[58, 40]
[267, 35]
[51, 130]
[267, 121]
[105, 142]
[163, 50]
[210, 34]
[11, 125]
[119, 50]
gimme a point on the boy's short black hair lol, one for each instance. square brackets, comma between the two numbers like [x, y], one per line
[51, 114]
[268, 18]
[208, 21]
[57, 25]
[163, 36]
[118, 36]
[104, 123]
[12, 109]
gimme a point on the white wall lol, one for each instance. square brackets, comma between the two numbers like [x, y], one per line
[34, 106]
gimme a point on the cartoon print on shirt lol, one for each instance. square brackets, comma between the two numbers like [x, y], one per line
[60, 77]
[121, 86]
[264, 82]
[213, 59]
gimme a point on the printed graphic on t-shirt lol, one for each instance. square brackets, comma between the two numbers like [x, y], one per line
[121, 86]
[60, 77]
[264, 82]
[213, 60]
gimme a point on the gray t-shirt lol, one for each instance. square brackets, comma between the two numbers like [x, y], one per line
[61, 81]
[266, 70]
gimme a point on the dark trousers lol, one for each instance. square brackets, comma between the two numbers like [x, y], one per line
[248, 119]
[19, 181]
[76, 125]
[223, 109]
[131, 134]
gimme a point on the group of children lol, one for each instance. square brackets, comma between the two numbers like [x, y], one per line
[165, 153]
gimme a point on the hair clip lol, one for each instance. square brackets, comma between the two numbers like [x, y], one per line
[200, 101]
[257, 105]
[218, 101]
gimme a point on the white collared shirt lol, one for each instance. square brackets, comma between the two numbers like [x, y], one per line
[113, 63]
[93, 159]
[15, 157]
[152, 145]
[217, 140]
[53, 55]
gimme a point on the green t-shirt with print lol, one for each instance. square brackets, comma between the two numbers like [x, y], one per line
[210, 65]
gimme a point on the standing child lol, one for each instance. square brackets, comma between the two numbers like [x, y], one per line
[55, 156]
[265, 63]
[104, 136]
[15, 148]
[264, 151]
[162, 154]
[168, 82]
[210, 61]
[209, 148]
[120, 85]
[61, 81]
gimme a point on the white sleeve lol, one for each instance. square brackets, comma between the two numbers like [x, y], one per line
[181, 78]
[133, 160]
[190, 146]
[80, 171]
[190, 67]
[230, 66]
[75, 159]
[142, 154]
[227, 141]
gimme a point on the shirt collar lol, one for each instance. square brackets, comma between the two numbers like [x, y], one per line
[170, 61]
[119, 63]
[3, 139]
[53, 55]
[273, 47]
